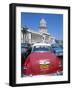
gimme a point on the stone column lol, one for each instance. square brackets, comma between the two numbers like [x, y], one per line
[21, 37]
[29, 34]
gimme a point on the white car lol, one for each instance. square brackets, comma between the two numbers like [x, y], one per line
[38, 45]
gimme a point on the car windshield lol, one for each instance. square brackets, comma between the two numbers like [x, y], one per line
[55, 46]
[23, 45]
[24, 50]
[41, 49]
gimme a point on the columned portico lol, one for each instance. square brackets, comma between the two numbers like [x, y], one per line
[30, 36]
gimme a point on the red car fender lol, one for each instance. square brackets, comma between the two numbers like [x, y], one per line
[27, 67]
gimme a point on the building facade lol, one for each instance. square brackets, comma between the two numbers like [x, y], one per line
[30, 36]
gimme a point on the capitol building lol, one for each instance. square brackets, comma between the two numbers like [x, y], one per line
[30, 36]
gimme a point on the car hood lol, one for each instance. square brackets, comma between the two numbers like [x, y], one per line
[36, 61]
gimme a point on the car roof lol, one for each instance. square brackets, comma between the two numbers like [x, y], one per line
[41, 44]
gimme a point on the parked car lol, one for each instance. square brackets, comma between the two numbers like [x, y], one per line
[57, 49]
[41, 61]
[61, 46]
[25, 50]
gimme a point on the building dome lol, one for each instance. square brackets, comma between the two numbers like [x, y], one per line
[43, 26]
[43, 23]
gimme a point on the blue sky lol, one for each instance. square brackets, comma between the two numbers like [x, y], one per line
[54, 22]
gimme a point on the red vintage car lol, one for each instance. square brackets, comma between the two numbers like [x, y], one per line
[41, 61]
